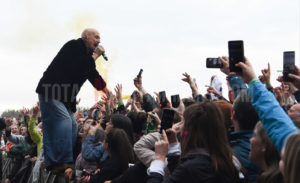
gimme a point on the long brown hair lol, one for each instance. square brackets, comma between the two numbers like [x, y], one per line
[292, 159]
[271, 156]
[204, 128]
[120, 146]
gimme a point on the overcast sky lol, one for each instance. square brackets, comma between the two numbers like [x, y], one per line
[164, 37]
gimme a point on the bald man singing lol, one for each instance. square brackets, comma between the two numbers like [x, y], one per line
[57, 91]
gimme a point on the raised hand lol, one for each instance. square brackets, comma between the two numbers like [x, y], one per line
[36, 110]
[225, 68]
[162, 148]
[155, 117]
[296, 77]
[267, 74]
[187, 78]
[138, 83]
[211, 89]
[26, 113]
[247, 73]
[118, 90]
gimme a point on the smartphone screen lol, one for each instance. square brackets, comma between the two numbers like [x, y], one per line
[236, 55]
[288, 65]
[167, 119]
[163, 99]
[175, 99]
[214, 63]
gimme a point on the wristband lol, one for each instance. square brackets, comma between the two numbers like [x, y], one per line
[268, 84]
[255, 80]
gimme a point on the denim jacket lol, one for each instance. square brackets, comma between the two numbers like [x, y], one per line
[91, 152]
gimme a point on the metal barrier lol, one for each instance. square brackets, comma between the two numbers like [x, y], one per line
[45, 176]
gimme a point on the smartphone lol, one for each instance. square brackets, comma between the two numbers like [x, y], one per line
[236, 55]
[288, 65]
[167, 119]
[199, 98]
[175, 99]
[208, 96]
[96, 114]
[140, 73]
[163, 99]
[213, 63]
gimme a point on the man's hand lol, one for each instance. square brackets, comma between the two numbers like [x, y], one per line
[98, 52]
[138, 83]
[225, 68]
[105, 91]
[296, 77]
[247, 73]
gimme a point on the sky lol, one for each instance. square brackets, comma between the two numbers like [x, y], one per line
[164, 37]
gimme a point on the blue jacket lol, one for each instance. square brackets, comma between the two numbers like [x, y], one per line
[91, 152]
[240, 144]
[276, 122]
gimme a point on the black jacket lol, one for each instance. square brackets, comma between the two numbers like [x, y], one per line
[193, 168]
[134, 174]
[110, 168]
[70, 68]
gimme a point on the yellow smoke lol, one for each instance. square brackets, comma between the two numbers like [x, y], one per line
[103, 67]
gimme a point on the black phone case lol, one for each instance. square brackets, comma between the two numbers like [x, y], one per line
[288, 66]
[236, 55]
[167, 119]
[175, 99]
[213, 63]
[162, 99]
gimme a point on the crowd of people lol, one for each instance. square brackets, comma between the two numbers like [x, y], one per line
[250, 137]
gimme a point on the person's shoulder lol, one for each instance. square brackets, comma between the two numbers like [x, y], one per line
[196, 160]
[74, 42]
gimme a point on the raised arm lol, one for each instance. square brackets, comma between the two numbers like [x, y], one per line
[275, 121]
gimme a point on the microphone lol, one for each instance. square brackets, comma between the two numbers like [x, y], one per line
[104, 56]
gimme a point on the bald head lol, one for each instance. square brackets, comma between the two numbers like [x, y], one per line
[88, 31]
[91, 38]
[294, 112]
